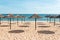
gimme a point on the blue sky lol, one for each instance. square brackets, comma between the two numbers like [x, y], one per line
[30, 6]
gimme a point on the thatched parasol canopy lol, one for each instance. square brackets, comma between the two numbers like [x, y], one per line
[58, 17]
[47, 16]
[54, 16]
[18, 16]
[1, 16]
[35, 16]
[10, 16]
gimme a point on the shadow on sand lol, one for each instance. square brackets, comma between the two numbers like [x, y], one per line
[43, 26]
[46, 32]
[57, 24]
[4, 25]
[16, 31]
[23, 26]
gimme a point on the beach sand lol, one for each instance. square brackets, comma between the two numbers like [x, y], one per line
[29, 33]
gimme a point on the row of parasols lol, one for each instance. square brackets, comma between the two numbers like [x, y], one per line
[35, 16]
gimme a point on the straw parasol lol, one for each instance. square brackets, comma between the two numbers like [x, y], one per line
[58, 17]
[54, 16]
[18, 16]
[1, 16]
[50, 17]
[10, 16]
[23, 17]
[47, 16]
[35, 16]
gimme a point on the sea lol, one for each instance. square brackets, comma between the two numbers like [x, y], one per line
[30, 19]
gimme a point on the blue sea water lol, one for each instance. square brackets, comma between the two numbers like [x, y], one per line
[28, 19]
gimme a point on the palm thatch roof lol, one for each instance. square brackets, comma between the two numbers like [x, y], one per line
[58, 16]
[54, 16]
[18, 16]
[47, 15]
[35, 16]
[9, 16]
[1, 16]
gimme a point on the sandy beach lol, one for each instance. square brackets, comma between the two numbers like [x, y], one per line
[29, 33]
[29, 19]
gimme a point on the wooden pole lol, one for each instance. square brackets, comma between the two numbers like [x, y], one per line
[59, 19]
[17, 21]
[47, 19]
[0, 20]
[24, 19]
[50, 20]
[54, 21]
[35, 23]
[10, 23]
